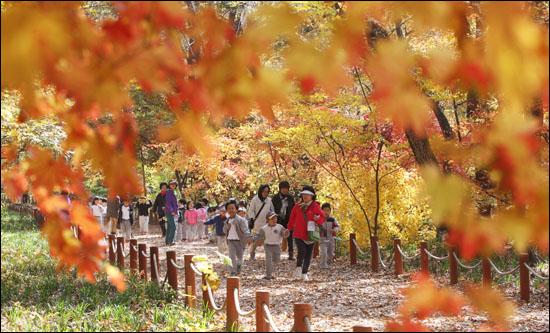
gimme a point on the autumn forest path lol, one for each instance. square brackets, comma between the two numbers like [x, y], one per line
[340, 297]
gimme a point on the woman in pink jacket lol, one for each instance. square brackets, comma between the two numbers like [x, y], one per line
[313, 212]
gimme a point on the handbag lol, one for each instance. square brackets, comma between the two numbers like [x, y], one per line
[313, 230]
[251, 222]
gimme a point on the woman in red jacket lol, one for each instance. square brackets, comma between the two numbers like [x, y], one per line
[306, 210]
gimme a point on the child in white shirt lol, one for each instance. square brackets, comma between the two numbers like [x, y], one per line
[272, 234]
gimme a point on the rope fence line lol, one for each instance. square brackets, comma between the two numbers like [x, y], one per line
[341, 240]
[406, 257]
[535, 273]
[524, 268]
[386, 266]
[358, 248]
[498, 271]
[125, 255]
[194, 268]
[176, 265]
[464, 265]
[115, 248]
[269, 318]
[155, 266]
[436, 257]
[211, 300]
[308, 324]
[238, 306]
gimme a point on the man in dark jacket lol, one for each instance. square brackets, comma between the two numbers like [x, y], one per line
[283, 202]
[159, 206]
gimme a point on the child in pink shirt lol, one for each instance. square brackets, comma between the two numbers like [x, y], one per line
[191, 216]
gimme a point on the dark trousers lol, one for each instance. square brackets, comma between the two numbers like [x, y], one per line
[305, 252]
[162, 224]
[290, 244]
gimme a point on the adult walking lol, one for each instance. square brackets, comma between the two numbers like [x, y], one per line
[283, 203]
[113, 206]
[259, 207]
[306, 211]
[159, 206]
[171, 210]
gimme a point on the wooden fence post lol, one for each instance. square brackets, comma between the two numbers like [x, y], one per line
[300, 312]
[232, 323]
[154, 250]
[172, 271]
[190, 282]
[397, 256]
[262, 325]
[133, 255]
[119, 248]
[424, 261]
[362, 329]
[486, 272]
[142, 249]
[453, 265]
[524, 277]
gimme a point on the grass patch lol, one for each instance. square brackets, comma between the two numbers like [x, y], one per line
[35, 297]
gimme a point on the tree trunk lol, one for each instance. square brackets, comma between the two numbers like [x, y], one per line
[421, 148]
[143, 170]
[443, 122]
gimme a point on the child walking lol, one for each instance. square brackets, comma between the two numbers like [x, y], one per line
[328, 230]
[210, 231]
[272, 234]
[238, 235]
[181, 228]
[126, 219]
[218, 221]
[143, 212]
[191, 217]
[98, 212]
[202, 217]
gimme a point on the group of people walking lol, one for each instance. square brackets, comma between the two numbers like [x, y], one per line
[267, 219]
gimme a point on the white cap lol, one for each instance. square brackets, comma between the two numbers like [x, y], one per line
[306, 192]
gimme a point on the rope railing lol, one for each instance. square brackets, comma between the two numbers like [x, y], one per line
[406, 257]
[194, 268]
[124, 254]
[134, 247]
[499, 272]
[155, 266]
[358, 248]
[115, 248]
[386, 266]
[238, 307]
[464, 265]
[535, 273]
[436, 257]
[176, 265]
[211, 300]
[341, 240]
[269, 318]
[145, 254]
[75, 232]
[308, 324]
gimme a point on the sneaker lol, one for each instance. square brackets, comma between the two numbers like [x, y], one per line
[267, 277]
[305, 277]
[291, 258]
[298, 272]
[233, 274]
